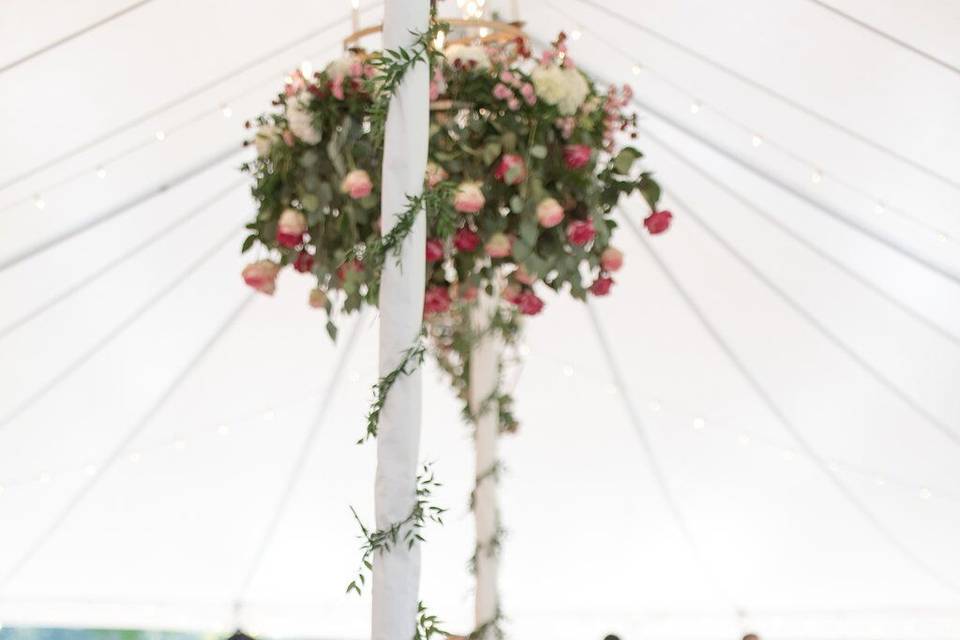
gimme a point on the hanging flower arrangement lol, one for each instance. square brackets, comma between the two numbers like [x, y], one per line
[525, 170]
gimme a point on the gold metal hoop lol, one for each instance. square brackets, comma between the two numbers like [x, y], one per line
[496, 31]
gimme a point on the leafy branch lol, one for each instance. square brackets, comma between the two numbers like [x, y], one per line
[427, 624]
[492, 625]
[413, 356]
[407, 531]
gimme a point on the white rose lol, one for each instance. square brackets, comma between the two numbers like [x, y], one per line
[301, 121]
[565, 88]
[467, 54]
[264, 139]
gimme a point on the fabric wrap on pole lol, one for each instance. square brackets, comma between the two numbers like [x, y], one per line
[483, 382]
[396, 573]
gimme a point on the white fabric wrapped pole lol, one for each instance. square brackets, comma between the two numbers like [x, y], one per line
[484, 358]
[396, 574]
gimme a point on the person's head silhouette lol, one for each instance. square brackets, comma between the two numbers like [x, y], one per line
[611, 637]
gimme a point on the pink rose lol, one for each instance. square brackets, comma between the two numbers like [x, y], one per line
[290, 228]
[549, 213]
[436, 300]
[611, 259]
[523, 276]
[580, 232]
[262, 276]
[434, 250]
[511, 169]
[336, 88]
[318, 299]
[498, 246]
[304, 262]
[576, 156]
[502, 91]
[435, 174]
[507, 77]
[466, 240]
[357, 184]
[529, 94]
[513, 104]
[528, 303]
[601, 286]
[468, 198]
[658, 221]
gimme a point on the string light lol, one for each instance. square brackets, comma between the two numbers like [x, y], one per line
[101, 172]
[636, 69]
[39, 202]
[743, 439]
[568, 370]
[90, 469]
[135, 456]
[878, 208]
[226, 110]
[223, 430]
[816, 176]
[44, 478]
[160, 136]
[925, 493]
[439, 41]
[695, 107]
[575, 34]
[756, 140]
[699, 423]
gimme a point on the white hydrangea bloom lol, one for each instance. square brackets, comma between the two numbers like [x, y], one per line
[565, 88]
[300, 121]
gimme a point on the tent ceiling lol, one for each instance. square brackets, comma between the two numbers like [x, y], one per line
[166, 540]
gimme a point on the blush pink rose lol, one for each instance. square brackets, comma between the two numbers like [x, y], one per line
[468, 198]
[611, 259]
[318, 299]
[658, 221]
[435, 174]
[576, 156]
[466, 240]
[357, 184]
[262, 276]
[434, 250]
[499, 246]
[510, 169]
[436, 300]
[290, 228]
[549, 213]
[580, 232]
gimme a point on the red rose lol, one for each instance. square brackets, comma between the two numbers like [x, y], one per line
[303, 262]
[290, 228]
[510, 169]
[576, 156]
[436, 300]
[528, 303]
[434, 250]
[602, 286]
[580, 232]
[466, 240]
[658, 221]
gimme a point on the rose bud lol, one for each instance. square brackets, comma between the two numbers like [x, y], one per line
[658, 221]
[435, 174]
[290, 228]
[262, 276]
[549, 213]
[611, 259]
[468, 198]
[576, 156]
[466, 240]
[436, 300]
[601, 286]
[498, 246]
[580, 232]
[510, 169]
[434, 250]
[318, 299]
[528, 303]
[304, 262]
[357, 184]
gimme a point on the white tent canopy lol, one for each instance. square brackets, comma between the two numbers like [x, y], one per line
[810, 287]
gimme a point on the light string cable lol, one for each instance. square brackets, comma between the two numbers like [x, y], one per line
[73, 36]
[228, 153]
[88, 485]
[879, 204]
[887, 36]
[118, 329]
[762, 88]
[655, 466]
[304, 451]
[950, 433]
[684, 159]
[760, 391]
[192, 93]
[76, 287]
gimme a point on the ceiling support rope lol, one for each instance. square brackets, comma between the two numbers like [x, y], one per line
[927, 416]
[304, 452]
[878, 526]
[671, 150]
[200, 89]
[655, 466]
[89, 484]
[224, 154]
[116, 331]
[74, 288]
[888, 37]
[762, 88]
[74, 35]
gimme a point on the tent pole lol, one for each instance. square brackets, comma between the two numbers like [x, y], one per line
[483, 374]
[396, 572]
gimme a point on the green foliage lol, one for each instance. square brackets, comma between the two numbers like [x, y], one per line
[412, 358]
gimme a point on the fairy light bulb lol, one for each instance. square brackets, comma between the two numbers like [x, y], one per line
[756, 140]
[636, 69]
[44, 478]
[39, 202]
[135, 457]
[699, 424]
[101, 172]
[575, 34]
[695, 107]
[223, 430]
[926, 494]
[226, 110]
[439, 41]
[816, 176]
[744, 440]
[160, 136]
[879, 208]
[90, 469]
[567, 370]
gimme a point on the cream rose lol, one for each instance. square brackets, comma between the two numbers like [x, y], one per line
[357, 184]
[549, 213]
[469, 198]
